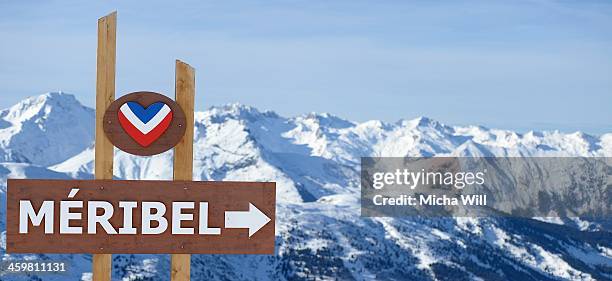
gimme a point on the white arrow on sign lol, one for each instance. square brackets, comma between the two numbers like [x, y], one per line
[253, 219]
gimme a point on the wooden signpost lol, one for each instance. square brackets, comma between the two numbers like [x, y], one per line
[105, 216]
[184, 89]
[140, 217]
[105, 95]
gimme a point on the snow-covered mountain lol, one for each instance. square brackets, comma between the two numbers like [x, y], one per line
[314, 159]
[45, 130]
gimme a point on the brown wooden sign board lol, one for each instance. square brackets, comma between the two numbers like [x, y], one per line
[230, 205]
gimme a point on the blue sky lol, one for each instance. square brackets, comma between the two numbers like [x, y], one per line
[507, 64]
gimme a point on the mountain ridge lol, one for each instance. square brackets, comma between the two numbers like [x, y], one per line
[314, 158]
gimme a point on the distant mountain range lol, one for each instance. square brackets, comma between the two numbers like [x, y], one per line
[314, 159]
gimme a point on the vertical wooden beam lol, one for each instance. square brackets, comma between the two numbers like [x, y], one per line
[183, 152]
[105, 95]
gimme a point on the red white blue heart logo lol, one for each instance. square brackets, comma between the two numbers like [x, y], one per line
[144, 125]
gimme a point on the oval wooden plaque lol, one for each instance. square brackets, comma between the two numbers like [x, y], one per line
[144, 123]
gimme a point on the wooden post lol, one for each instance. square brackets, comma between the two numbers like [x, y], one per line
[105, 95]
[183, 152]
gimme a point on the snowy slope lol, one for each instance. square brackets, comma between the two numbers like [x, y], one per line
[45, 130]
[314, 159]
